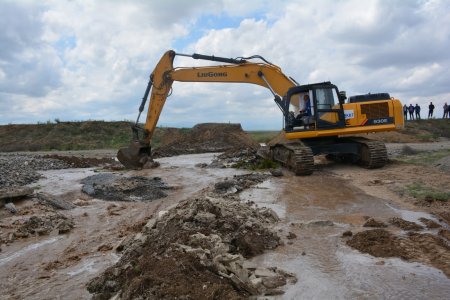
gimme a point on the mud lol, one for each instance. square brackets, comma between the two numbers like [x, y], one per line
[84, 162]
[405, 225]
[425, 248]
[371, 222]
[333, 202]
[114, 187]
[197, 250]
[208, 137]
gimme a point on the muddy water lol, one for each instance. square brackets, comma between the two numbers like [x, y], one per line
[325, 266]
[59, 266]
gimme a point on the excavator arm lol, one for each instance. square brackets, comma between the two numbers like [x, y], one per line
[240, 70]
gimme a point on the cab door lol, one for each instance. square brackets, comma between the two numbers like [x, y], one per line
[329, 111]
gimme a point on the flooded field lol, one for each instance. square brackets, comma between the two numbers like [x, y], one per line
[314, 211]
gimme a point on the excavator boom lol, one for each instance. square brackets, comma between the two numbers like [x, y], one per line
[238, 70]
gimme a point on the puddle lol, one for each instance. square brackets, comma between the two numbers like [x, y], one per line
[57, 182]
[265, 194]
[92, 264]
[413, 216]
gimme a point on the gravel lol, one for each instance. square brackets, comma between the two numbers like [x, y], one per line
[18, 169]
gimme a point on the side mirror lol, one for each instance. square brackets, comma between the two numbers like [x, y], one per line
[342, 96]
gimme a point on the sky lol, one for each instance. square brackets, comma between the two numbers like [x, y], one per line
[90, 60]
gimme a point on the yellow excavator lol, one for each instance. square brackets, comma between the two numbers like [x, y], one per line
[317, 118]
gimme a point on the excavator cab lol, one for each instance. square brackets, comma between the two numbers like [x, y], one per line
[314, 107]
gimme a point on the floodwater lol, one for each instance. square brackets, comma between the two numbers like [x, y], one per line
[325, 266]
[59, 266]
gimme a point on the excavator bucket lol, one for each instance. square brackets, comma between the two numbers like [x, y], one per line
[135, 155]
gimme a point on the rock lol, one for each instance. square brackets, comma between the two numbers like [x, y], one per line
[205, 217]
[15, 193]
[276, 172]
[291, 236]
[64, 226]
[347, 233]
[263, 272]
[56, 203]
[11, 207]
[273, 281]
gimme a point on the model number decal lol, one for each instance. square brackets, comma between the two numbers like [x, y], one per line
[380, 121]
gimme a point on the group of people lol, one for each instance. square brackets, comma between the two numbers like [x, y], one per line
[414, 111]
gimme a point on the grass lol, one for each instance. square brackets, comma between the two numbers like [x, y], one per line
[260, 164]
[263, 136]
[412, 156]
[422, 192]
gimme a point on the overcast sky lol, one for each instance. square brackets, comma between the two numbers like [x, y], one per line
[79, 60]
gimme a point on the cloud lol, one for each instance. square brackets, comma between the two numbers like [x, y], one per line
[78, 60]
[28, 65]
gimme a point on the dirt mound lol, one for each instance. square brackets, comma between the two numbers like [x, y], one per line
[207, 137]
[405, 225]
[114, 187]
[371, 222]
[425, 248]
[196, 251]
[82, 162]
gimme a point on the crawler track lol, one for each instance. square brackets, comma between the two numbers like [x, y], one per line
[295, 156]
[373, 154]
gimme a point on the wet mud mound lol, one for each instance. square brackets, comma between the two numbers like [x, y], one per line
[114, 187]
[197, 250]
[425, 248]
[207, 137]
[83, 162]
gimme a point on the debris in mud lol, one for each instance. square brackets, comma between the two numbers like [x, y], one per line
[318, 223]
[114, 187]
[55, 202]
[430, 223]
[197, 248]
[445, 234]
[238, 183]
[425, 248]
[374, 223]
[246, 159]
[347, 233]
[43, 225]
[11, 207]
[207, 137]
[13, 193]
[405, 225]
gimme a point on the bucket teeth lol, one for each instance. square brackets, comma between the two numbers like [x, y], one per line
[134, 156]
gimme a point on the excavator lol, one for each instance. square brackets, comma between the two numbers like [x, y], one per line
[317, 119]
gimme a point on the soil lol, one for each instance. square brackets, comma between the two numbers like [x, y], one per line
[84, 162]
[196, 250]
[114, 187]
[425, 248]
[207, 137]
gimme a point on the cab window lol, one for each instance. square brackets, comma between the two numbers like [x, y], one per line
[326, 98]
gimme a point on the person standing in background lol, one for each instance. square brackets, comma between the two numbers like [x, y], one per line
[430, 110]
[446, 111]
[417, 110]
[405, 112]
[411, 112]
